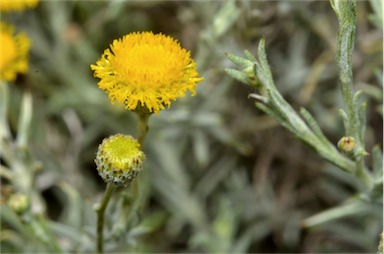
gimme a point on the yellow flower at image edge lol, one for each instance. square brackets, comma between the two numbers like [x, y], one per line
[146, 70]
[14, 50]
[119, 159]
[17, 5]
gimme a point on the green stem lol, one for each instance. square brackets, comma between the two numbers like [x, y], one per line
[100, 216]
[142, 127]
[4, 93]
[355, 126]
[363, 174]
[346, 13]
[143, 130]
[129, 206]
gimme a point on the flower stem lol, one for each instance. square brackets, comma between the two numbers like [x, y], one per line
[143, 130]
[142, 127]
[4, 93]
[100, 216]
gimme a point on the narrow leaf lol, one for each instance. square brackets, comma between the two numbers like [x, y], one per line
[242, 62]
[238, 75]
[362, 119]
[249, 56]
[377, 161]
[25, 120]
[335, 6]
[263, 70]
[225, 18]
[314, 126]
[288, 114]
[348, 209]
[344, 116]
[277, 116]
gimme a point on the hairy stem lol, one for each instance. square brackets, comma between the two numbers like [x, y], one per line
[4, 128]
[100, 216]
[142, 127]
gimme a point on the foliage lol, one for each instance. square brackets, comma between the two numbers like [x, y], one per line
[220, 175]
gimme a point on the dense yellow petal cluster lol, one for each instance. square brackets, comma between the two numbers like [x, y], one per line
[17, 5]
[14, 50]
[146, 70]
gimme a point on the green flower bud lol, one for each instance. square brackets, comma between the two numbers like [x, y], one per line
[347, 145]
[18, 202]
[119, 159]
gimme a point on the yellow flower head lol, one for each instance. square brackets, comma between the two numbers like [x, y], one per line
[119, 159]
[146, 70]
[13, 53]
[17, 5]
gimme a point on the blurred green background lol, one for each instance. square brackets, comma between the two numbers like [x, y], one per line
[220, 176]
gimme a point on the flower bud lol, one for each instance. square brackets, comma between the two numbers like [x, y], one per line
[347, 144]
[119, 159]
[18, 202]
